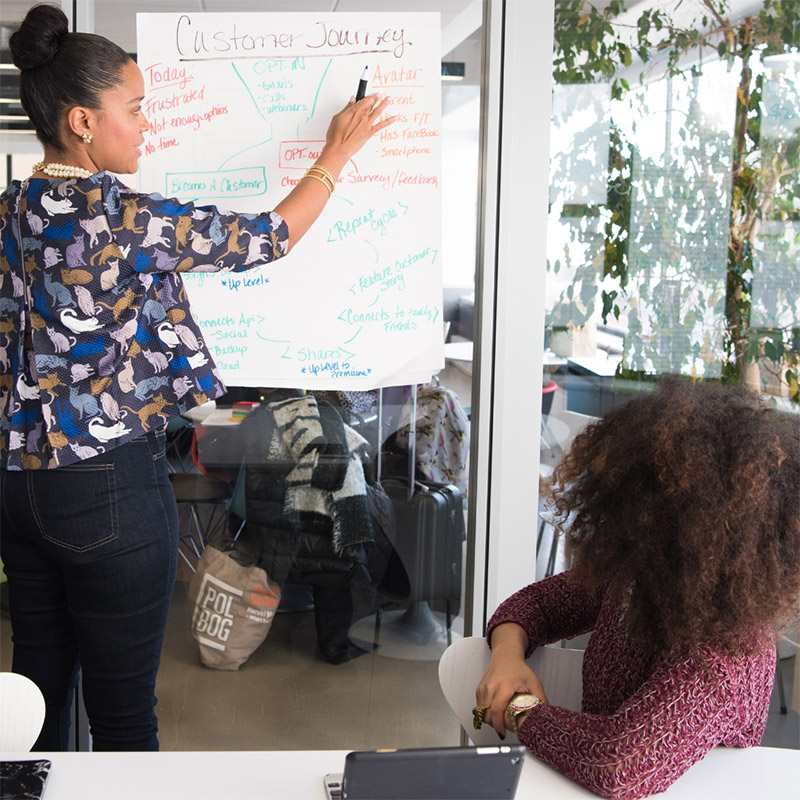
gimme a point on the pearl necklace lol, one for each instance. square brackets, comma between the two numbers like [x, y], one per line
[55, 170]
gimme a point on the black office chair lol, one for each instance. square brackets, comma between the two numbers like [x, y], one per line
[203, 511]
[180, 432]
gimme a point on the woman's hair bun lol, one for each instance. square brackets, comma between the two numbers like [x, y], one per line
[37, 40]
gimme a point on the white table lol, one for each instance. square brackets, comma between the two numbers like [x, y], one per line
[550, 359]
[219, 417]
[199, 413]
[602, 364]
[464, 351]
[731, 774]
[459, 351]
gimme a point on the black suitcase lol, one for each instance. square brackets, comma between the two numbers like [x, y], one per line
[428, 531]
[428, 536]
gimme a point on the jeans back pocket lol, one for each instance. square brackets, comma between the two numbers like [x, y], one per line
[76, 506]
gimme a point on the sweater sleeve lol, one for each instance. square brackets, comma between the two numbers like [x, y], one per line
[686, 707]
[552, 609]
[155, 234]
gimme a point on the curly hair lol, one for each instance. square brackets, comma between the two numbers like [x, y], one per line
[684, 503]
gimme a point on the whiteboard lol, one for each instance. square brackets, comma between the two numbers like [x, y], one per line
[238, 105]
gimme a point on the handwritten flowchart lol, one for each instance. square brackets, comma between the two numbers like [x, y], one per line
[238, 105]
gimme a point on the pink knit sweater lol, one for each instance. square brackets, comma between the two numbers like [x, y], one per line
[645, 720]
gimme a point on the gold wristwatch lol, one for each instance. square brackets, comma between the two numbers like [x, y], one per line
[520, 704]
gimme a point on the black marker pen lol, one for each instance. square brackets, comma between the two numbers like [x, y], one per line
[362, 84]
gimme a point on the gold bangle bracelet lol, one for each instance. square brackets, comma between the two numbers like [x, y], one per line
[322, 175]
[328, 181]
[324, 171]
[321, 180]
[322, 168]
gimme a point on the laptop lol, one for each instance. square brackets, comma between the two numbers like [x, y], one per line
[429, 773]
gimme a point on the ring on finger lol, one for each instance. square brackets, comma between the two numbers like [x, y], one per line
[478, 715]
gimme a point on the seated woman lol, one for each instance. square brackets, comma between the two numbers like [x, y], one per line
[684, 529]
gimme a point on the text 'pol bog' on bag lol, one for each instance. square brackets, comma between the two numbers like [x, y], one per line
[232, 609]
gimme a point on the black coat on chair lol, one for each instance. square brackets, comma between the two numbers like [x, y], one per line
[296, 542]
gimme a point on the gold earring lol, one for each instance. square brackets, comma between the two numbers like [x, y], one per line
[87, 137]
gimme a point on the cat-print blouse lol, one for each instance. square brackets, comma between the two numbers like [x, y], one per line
[97, 341]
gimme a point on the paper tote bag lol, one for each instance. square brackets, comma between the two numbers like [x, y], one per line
[232, 609]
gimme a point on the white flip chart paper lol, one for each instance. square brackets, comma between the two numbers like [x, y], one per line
[238, 105]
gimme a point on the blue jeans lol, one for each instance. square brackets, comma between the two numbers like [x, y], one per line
[90, 551]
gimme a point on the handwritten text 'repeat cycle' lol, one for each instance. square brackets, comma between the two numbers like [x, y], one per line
[192, 41]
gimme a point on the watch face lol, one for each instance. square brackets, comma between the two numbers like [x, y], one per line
[523, 702]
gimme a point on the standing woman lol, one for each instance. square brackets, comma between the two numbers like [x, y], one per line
[98, 350]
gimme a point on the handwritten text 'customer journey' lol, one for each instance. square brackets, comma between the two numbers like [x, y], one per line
[238, 106]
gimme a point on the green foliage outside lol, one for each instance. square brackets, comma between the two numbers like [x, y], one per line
[759, 161]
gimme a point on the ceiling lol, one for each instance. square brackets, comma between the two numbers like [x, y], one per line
[116, 19]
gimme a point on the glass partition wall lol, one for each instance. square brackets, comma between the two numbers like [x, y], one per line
[645, 168]
[379, 687]
[672, 233]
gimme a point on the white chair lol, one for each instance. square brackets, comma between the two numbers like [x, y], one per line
[566, 425]
[563, 427]
[463, 663]
[23, 713]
